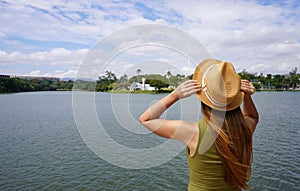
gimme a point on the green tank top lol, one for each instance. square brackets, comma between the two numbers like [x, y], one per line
[205, 165]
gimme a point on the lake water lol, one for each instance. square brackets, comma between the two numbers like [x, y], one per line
[41, 147]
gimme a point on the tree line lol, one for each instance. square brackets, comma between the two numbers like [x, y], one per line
[109, 82]
[162, 83]
[24, 85]
[278, 82]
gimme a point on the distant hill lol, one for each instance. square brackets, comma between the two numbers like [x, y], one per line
[67, 79]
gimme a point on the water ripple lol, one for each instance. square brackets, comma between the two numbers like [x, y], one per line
[41, 148]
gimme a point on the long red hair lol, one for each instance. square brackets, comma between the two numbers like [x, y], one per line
[233, 143]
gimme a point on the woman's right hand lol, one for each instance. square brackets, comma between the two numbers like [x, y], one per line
[187, 88]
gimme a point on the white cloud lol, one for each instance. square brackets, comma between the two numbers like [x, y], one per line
[252, 36]
[53, 57]
[284, 66]
[187, 70]
[285, 48]
[63, 74]
[2, 35]
[127, 65]
[56, 62]
[35, 73]
[2, 54]
[233, 31]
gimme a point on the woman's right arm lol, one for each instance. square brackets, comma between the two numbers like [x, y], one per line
[249, 110]
[173, 129]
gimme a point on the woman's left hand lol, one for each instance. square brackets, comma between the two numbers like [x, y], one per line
[247, 87]
[187, 88]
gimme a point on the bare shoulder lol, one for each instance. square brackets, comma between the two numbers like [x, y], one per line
[183, 131]
[193, 138]
[189, 130]
[191, 135]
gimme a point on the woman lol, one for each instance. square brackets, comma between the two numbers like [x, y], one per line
[219, 146]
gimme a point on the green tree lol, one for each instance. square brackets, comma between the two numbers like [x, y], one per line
[278, 81]
[246, 75]
[158, 84]
[105, 82]
[168, 75]
[83, 85]
[137, 78]
[294, 78]
[11, 85]
[122, 83]
[138, 71]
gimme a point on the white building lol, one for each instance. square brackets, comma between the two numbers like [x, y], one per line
[139, 86]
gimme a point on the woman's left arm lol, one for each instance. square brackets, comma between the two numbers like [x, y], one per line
[174, 129]
[249, 110]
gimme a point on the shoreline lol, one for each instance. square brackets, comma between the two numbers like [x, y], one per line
[137, 91]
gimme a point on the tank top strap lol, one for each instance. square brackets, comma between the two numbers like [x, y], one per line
[202, 125]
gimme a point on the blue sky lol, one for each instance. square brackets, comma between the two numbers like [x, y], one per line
[51, 38]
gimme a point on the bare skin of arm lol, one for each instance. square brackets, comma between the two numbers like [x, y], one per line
[183, 131]
[249, 110]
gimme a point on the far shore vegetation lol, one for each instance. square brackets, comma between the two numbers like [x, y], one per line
[108, 82]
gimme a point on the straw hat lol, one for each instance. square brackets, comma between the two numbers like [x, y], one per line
[220, 84]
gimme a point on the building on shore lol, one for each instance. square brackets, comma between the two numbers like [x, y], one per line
[141, 86]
